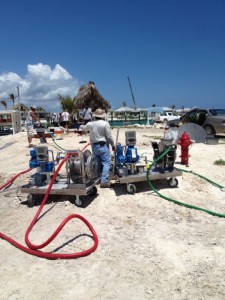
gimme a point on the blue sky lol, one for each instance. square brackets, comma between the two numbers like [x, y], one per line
[172, 50]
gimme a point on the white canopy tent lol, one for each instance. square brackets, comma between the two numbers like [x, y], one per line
[125, 109]
[155, 109]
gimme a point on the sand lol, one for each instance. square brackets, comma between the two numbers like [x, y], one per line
[149, 248]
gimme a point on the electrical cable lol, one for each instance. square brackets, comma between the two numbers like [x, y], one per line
[179, 202]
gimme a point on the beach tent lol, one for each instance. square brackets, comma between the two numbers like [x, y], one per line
[154, 109]
[125, 109]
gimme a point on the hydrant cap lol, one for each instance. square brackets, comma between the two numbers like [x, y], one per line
[185, 136]
[185, 139]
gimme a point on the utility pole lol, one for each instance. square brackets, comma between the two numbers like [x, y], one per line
[18, 95]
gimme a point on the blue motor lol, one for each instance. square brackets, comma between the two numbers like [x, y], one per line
[131, 155]
[120, 157]
[49, 165]
[39, 158]
[33, 163]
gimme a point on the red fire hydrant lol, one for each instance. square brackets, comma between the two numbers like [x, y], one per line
[184, 143]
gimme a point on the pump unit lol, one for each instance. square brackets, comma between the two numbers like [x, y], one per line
[45, 167]
[80, 179]
[167, 162]
[127, 156]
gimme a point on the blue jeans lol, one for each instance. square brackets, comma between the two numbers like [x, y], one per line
[104, 161]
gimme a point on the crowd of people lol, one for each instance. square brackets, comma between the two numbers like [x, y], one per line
[65, 120]
[95, 123]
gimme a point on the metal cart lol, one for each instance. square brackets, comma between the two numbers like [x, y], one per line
[61, 188]
[130, 180]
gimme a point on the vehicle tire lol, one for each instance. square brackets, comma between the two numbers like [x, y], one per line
[173, 182]
[209, 130]
[131, 188]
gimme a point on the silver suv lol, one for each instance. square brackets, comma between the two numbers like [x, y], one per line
[212, 120]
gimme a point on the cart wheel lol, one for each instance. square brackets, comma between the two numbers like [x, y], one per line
[93, 191]
[173, 182]
[78, 202]
[30, 200]
[131, 188]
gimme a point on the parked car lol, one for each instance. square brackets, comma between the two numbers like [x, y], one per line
[166, 116]
[5, 131]
[212, 120]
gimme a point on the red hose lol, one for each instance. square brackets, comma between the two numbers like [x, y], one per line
[12, 179]
[88, 144]
[33, 248]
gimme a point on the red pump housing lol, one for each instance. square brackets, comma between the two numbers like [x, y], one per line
[184, 143]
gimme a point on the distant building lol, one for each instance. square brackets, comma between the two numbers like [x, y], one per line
[40, 112]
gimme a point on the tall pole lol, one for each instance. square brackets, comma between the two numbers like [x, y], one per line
[132, 93]
[18, 95]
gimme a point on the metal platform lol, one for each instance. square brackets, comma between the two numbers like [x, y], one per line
[62, 188]
[130, 180]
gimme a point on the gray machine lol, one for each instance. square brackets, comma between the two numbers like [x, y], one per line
[80, 177]
[129, 169]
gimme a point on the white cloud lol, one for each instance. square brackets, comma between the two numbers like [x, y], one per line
[40, 86]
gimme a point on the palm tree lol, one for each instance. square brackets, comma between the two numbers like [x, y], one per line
[67, 103]
[124, 103]
[13, 98]
[4, 103]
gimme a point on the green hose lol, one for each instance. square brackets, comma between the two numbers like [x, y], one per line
[178, 202]
[203, 177]
[59, 148]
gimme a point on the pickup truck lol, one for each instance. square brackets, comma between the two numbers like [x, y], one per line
[167, 116]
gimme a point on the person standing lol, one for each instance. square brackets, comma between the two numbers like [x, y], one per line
[31, 118]
[100, 139]
[87, 115]
[65, 119]
[55, 119]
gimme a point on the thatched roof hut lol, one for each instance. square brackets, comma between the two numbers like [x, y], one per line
[89, 96]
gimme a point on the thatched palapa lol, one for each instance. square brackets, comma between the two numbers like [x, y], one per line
[89, 96]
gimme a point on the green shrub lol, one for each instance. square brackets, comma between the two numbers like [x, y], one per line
[219, 162]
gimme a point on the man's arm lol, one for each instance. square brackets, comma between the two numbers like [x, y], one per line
[84, 128]
[34, 117]
[109, 137]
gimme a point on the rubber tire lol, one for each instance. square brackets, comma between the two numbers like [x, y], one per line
[30, 200]
[172, 182]
[209, 130]
[93, 191]
[131, 188]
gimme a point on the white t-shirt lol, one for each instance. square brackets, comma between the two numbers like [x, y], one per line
[65, 116]
[87, 113]
[29, 119]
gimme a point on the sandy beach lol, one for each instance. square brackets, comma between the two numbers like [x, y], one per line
[149, 248]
